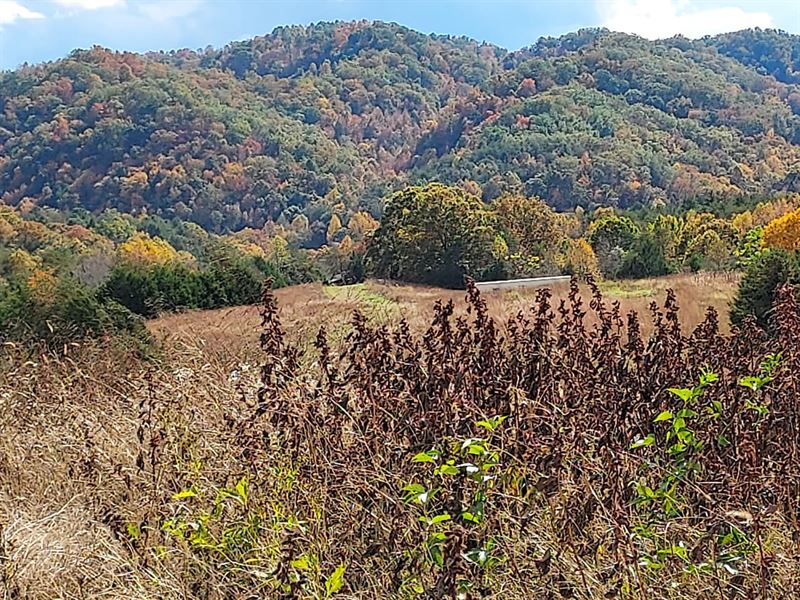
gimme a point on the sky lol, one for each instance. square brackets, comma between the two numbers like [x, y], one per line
[33, 31]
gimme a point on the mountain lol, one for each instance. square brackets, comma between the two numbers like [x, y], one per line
[307, 119]
[770, 52]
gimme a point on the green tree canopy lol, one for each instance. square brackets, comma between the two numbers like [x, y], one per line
[765, 274]
[434, 234]
[611, 236]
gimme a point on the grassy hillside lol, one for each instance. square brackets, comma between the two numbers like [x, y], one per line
[306, 119]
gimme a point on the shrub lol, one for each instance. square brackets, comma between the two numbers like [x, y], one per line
[230, 285]
[68, 312]
[148, 291]
[645, 258]
[765, 274]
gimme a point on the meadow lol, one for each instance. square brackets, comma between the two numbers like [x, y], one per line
[233, 333]
[385, 441]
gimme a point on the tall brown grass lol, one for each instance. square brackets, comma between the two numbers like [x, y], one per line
[205, 475]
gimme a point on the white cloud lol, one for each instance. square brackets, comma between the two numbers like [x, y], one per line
[11, 11]
[89, 4]
[657, 19]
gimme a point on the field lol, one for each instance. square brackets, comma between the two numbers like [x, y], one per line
[506, 446]
[233, 332]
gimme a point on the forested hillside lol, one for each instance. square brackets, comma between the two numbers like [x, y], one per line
[309, 122]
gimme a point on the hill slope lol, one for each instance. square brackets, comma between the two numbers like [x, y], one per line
[306, 118]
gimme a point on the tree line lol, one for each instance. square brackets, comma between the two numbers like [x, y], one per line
[65, 275]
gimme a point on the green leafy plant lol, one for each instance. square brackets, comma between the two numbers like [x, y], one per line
[757, 383]
[457, 494]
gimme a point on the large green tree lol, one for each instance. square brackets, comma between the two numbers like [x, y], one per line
[611, 237]
[435, 234]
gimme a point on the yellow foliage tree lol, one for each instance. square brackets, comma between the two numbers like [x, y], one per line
[361, 224]
[500, 247]
[346, 245]
[143, 250]
[532, 228]
[137, 180]
[579, 258]
[743, 222]
[783, 232]
[42, 285]
[278, 250]
[7, 231]
[21, 262]
[9, 214]
[32, 235]
[333, 227]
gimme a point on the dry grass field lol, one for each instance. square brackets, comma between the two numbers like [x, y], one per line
[231, 332]
[375, 461]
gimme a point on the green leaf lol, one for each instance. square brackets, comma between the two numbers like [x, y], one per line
[335, 582]
[492, 423]
[707, 377]
[663, 416]
[425, 457]
[414, 488]
[648, 441]
[440, 518]
[750, 382]
[437, 555]
[473, 443]
[242, 489]
[414, 492]
[476, 449]
[133, 531]
[645, 491]
[436, 538]
[682, 393]
[190, 493]
[447, 470]
[651, 564]
[301, 564]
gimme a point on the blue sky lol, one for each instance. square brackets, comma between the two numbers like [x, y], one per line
[39, 30]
